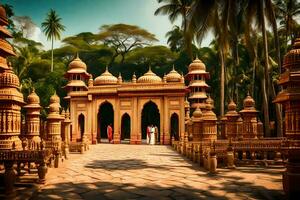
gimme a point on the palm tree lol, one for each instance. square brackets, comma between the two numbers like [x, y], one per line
[259, 11]
[212, 15]
[175, 39]
[174, 9]
[52, 28]
[287, 11]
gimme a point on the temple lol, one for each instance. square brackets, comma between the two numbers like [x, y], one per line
[184, 117]
[130, 106]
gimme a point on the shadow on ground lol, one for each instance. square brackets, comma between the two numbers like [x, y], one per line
[109, 190]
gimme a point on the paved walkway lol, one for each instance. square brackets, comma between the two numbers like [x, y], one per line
[123, 171]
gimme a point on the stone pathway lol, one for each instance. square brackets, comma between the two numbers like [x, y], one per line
[123, 171]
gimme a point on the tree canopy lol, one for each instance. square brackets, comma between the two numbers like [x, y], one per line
[124, 37]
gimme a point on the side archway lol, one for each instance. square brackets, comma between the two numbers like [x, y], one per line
[174, 126]
[81, 126]
[125, 127]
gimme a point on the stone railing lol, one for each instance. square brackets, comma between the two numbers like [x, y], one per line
[79, 146]
[265, 151]
[10, 159]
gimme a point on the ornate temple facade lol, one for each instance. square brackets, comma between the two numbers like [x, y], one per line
[129, 106]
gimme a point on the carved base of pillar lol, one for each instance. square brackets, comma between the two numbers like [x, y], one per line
[117, 142]
[291, 184]
[42, 170]
[291, 177]
[56, 161]
[9, 179]
[135, 141]
[230, 160]
[213, 164]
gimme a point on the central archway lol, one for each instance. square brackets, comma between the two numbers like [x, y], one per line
[81, 126]
[105, 117]
[125, 127]
[150, 115]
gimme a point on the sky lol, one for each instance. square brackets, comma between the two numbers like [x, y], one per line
[89, 15]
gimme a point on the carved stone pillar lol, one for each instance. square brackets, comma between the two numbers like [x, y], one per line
[54, 119]
[32, 130]
[232, 123]
[290, 98]
[197, 125]
[249, 115]
[209, 132]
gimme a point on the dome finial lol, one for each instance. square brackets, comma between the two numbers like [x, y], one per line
[106, 68]
[149, 70]
[173, 68]
[77, 54]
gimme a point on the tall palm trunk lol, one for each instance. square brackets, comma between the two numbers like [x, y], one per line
[52, 39]
[188, 40]
[222, 78]
[265, 79]
[278, 110]
[278, 107]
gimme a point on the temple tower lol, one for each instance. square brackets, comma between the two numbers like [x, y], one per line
[54, 120]
[11, 98]
[32, 131]
[290, 98]
[233, 125]
[249, 115]
[197, 125]
[209, 132]
[197, 75]
[77, 76]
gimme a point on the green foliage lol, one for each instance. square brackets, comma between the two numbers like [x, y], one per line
[122, 38]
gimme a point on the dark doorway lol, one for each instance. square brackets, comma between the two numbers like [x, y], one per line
[174, 126]
[105, 117]
[125, 127]
[150, 115]
[81, 126]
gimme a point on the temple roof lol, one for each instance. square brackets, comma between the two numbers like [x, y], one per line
[149, 77]
[5, 48]
[198, 95]
[198, 83]
[249, 105]
[33, 100]
[106, 78]
[173, 76]
[76, 83]
[77, 63]
[3, 17]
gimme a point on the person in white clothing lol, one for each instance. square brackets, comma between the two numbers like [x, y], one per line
[152, 135]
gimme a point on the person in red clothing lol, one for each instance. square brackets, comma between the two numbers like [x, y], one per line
[109, 133]
[148, 134]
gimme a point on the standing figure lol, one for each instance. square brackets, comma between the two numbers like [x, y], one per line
[148, 134]
[152, 135]
[156, 133]
[109, 133]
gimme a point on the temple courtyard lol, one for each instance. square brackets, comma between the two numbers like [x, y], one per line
[121, 171]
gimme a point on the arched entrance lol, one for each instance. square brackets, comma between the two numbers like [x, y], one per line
[150, 115]
[81, 126]
[125, 127]
[105, 117]
[174, 126]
